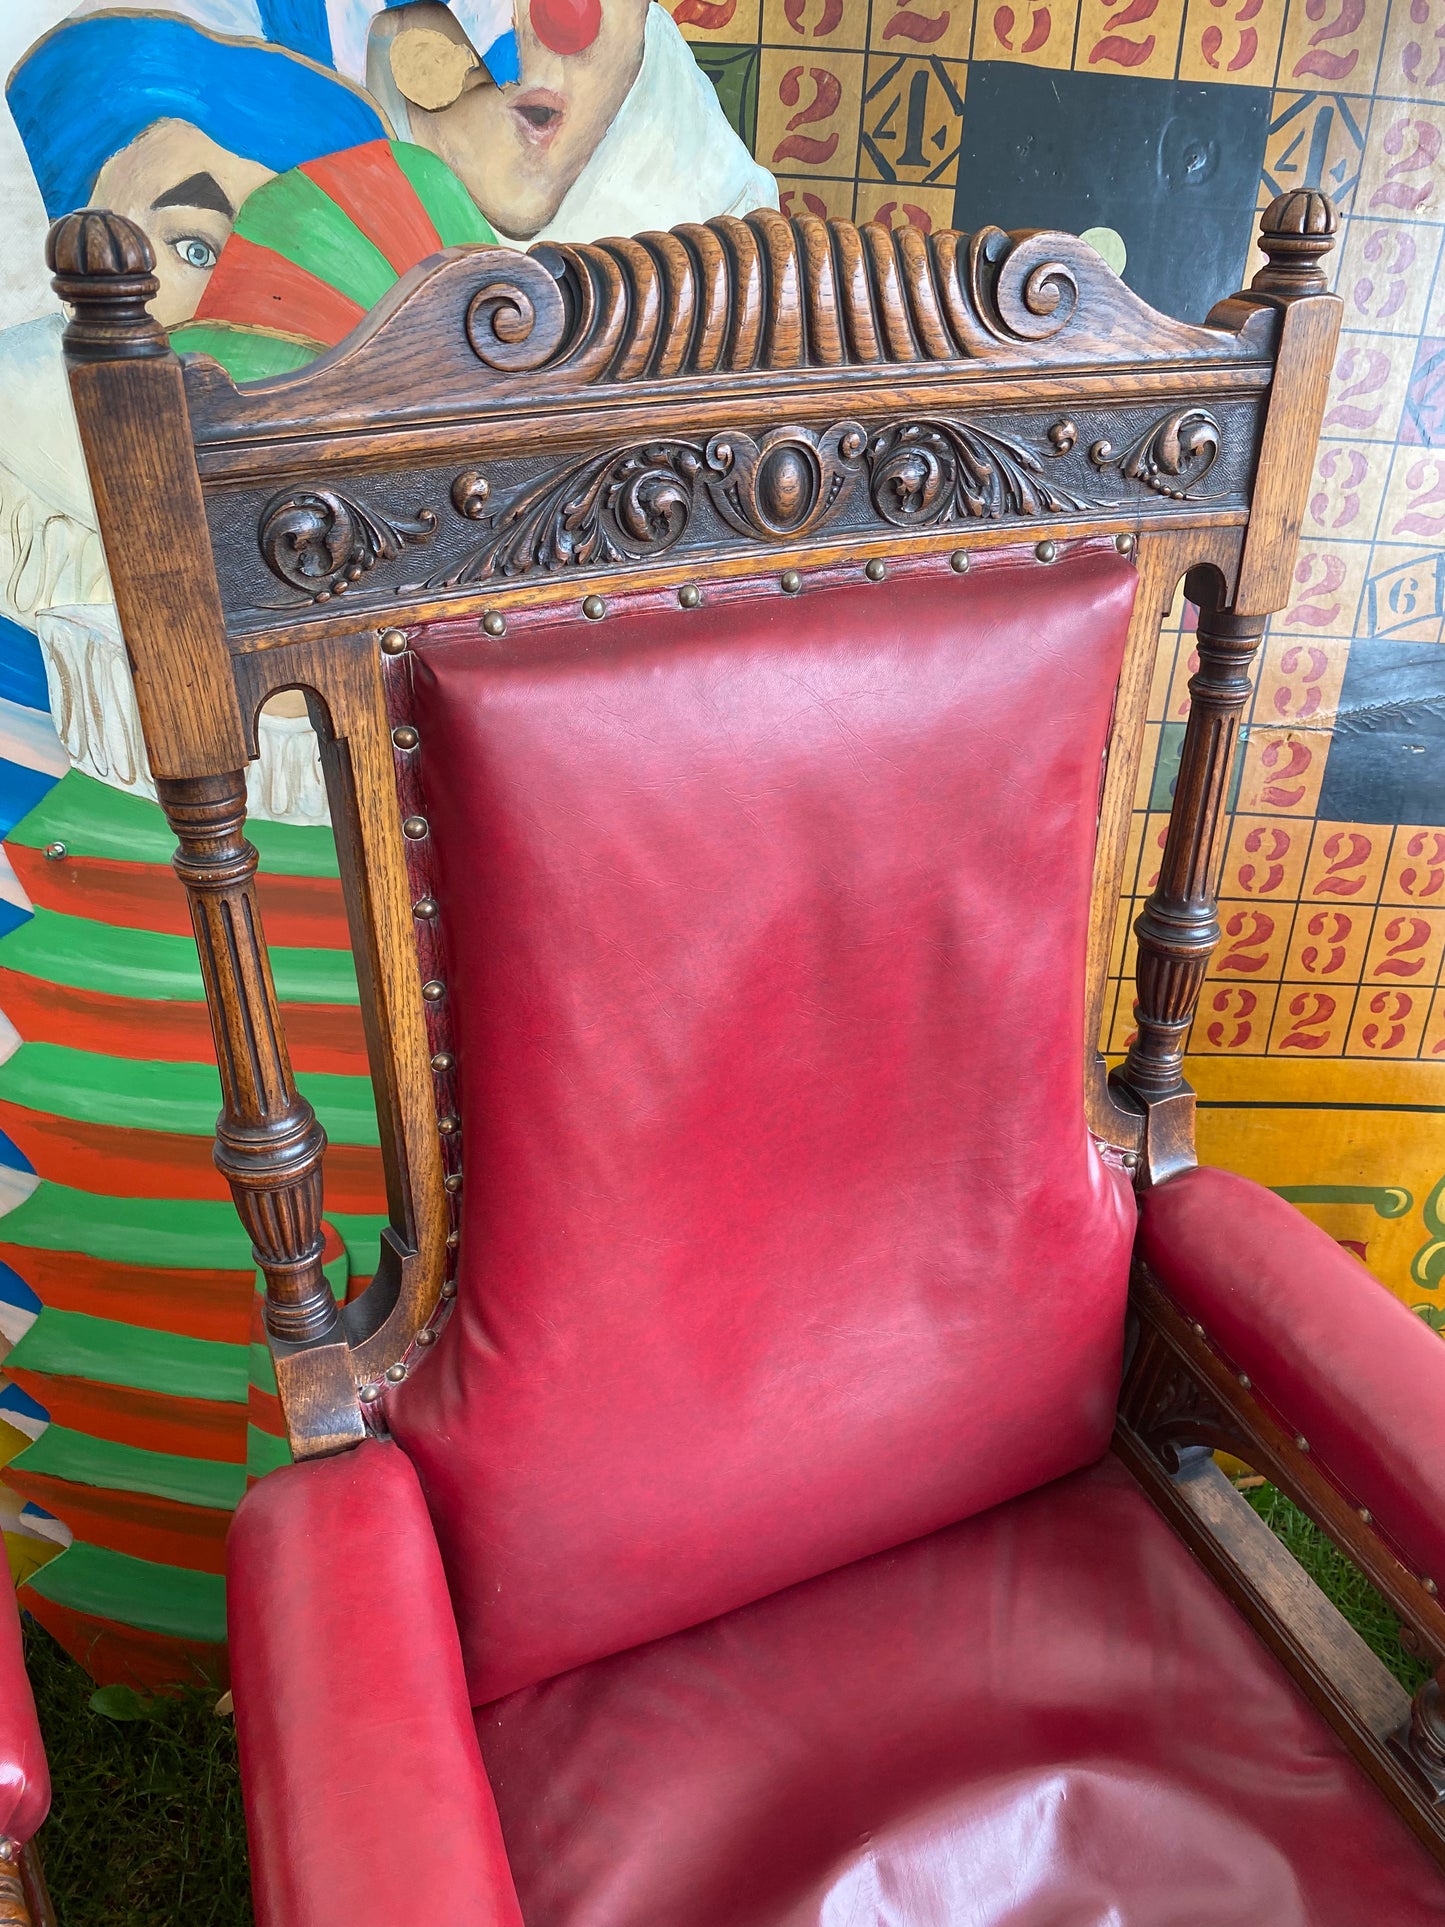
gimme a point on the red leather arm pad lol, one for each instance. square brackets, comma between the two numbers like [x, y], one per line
[24, 1775]
[1338, 1356]
[367, 1804]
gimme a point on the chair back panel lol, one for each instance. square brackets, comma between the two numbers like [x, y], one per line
[783, 1236]
[685, 423]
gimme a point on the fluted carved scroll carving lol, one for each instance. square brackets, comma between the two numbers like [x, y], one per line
[517, 321]
[769, 292]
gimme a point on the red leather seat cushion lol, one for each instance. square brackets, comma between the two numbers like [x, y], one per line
[1044, 1717]
[784, 1239]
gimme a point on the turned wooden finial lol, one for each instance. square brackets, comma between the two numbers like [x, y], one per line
[104, 270]
[1297, 230]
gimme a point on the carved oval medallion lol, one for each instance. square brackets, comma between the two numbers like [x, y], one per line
[787, 485]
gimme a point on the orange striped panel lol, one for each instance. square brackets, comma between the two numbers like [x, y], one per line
[117, 1161]
[263, 1409]
[303, 913]
[193, 1428]
[254, 287]
[214, 1305]
[143, 1524]
[320, 1037]
[117, 1655]
[369, 187]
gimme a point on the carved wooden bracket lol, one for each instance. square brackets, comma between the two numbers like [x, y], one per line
[1420, 1743]
[1169, 1408]
[269, 1144]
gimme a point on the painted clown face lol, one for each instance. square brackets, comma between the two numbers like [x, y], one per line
[518, 149]
[174, 125]
[183, 189]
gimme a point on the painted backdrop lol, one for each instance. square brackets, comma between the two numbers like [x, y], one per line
[330, 142]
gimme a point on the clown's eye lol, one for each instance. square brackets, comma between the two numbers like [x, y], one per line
[195, 251]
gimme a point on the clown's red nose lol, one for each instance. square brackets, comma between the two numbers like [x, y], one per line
[566, 26]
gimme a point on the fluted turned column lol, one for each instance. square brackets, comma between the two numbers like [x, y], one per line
[269, 1144]
[1178, 927]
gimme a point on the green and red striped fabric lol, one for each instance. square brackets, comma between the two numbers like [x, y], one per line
[315, 248]
[148, 1353]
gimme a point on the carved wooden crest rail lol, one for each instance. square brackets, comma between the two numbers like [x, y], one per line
[629, 505]
[720, 346]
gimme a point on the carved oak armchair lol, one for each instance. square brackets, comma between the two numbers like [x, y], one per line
[729, 654]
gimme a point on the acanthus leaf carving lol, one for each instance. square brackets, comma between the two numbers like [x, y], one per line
[1172, 456]
[926, 472]
[633, 503]
[623, 506]
[321, 542]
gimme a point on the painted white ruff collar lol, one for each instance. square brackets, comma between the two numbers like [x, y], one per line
[669, 155]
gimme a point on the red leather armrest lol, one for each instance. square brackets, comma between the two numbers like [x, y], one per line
[1338, 1356]
[24, 1775]
[367, 1804]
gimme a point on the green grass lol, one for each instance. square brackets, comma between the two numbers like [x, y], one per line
[1343, 1585]
[146, 1829]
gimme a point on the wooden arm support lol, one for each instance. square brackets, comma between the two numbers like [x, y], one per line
[1178, 927]
[1179, 1392]
[131, 411]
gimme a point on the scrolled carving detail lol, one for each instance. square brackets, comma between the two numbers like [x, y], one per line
[518, 322]
[922, 473]
[321, 542]
[1172, 456]
[471, 492]
[623, 506]
[775, 292]
[1035, 293]
[786, 484]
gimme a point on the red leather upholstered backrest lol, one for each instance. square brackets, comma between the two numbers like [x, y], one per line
[784, 1240]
